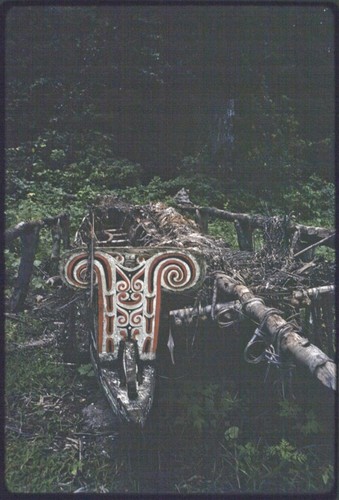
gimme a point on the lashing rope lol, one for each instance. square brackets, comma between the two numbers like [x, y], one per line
[271, 355]
[284, 367]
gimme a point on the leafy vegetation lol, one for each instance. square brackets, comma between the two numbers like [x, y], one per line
[199, 437]
[44, 397]
[124, 106]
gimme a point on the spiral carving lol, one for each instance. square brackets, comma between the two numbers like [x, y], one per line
[123, 286]
[129, 298]
[75, 270]
[175, 271]
[175, 275]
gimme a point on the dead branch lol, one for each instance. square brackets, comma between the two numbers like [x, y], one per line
[302, 298]
[14, 317]
[25, 227]
[29, 235]
[318, 243]
[256, 221]
[33, 344]
[187, 314]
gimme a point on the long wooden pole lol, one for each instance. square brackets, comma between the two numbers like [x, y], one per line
[320, 365]
[310, 233]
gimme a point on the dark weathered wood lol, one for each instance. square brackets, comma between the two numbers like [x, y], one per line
[69, 338]
[314, 234]
[64, 224]
[202, 221]
[22, 227]
[29, 243]
[290, 341]
[57, 236]
[244, 235]
[29, 235]
[25, 227]
[56, 242]
[316, 322]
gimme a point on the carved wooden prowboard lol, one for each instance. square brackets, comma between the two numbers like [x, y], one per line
[129, 286]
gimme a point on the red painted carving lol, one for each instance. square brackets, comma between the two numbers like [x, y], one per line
[129, 298]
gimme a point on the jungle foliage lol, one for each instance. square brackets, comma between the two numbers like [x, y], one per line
[143, 101]
[204, 435]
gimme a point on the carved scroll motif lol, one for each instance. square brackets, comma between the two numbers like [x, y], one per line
[129, 296]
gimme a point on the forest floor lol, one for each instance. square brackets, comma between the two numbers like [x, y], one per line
[215, 426]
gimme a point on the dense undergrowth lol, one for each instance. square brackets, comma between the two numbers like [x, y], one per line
[87, 91]
[204, 435]
[44, 177]
[214, 428]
